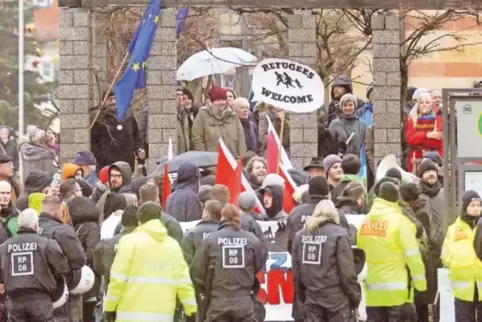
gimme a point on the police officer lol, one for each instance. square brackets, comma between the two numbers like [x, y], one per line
[208, 224]
[324, 269]
[32, 267]
[52, 227]
[224, 268]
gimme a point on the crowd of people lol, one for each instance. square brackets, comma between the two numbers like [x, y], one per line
[100, 211]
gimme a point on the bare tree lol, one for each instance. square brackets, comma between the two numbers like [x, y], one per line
[425, 24]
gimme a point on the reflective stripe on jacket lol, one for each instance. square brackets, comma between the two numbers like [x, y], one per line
[390, 244]
[459, 256]
[148, 275]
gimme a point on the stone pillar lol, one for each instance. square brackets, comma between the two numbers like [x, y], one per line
[100, 78]
[161, 88]
[73, 89]
[302, 48]
[386, 77]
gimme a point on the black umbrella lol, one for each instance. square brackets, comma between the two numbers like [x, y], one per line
[201, 159]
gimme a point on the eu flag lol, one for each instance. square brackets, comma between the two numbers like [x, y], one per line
[134, 76]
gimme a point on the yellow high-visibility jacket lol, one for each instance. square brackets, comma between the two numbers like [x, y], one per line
[390, 245]
[148, 274]
[459, 256]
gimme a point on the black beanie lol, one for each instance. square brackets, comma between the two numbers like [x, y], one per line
[394, 173]
[388, 191]
[318, 186]
[376, 187]
[409, 191]
[426, 165]
[468, 197]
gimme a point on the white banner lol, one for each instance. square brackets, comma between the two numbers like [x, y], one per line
[447, 306]
[276, 278]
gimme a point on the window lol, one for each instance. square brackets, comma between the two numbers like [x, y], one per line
[42, 3]
[229, 24]
[47, 70]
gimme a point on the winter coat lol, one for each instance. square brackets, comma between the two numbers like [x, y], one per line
[36, 181]
[343, 127]
[250, 134]
[10, 149]
[276, 121]
[143, 125]
[211, 124]
[183, 131]
[338, 190]
[99, 190]
[418, 143]
[370, 156]
[326, 143]
[324, 275]
[434, 208]
[193, 238]
[37, 158]
[183, 203]
[109, 144]
[9, 217]
[229, 281]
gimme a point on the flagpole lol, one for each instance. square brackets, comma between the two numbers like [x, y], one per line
[280, 147]
[109, 90]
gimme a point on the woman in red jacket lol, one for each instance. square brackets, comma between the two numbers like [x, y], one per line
[423, 131]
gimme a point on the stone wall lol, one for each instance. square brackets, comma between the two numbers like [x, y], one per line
[386, 76]
[161, 88]
[302, 48]
[73, 92]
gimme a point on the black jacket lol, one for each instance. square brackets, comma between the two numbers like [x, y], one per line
[173, 227]
[64, 234]
[192, 239]
[249, 223]
[10, 149]
[31, 263]
[301, 213]
[324, 269]
[233, 257]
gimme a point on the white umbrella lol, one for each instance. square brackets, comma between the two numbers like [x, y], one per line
[213, 61]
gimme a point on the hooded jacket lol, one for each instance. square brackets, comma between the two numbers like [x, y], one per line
[324, 270]
[136, 263]
[36, 181]
[183, 203]
[275, 212]
[345, 180]
[37, 158]
[334, 107]
[68, 171]
[211, 124]
[9, 217]
[126, 170]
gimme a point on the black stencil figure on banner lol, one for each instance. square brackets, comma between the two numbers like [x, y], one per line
[288, 80]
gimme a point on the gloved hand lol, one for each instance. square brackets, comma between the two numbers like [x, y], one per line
[110, 316]
[191, 318]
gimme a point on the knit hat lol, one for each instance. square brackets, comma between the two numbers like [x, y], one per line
[5, 158]
[247, 200]
[318, 186]
[204, 193]
[330, 160]
[378, 184]
[426, 165]
[394, 173]
[272, 179]
[389, 192]
[217, 93]
[468, 197]
[409, 191]
[418, 92]
[85, 158]
[348, 98]
[369, 90]
[104, 174]
[434, 156]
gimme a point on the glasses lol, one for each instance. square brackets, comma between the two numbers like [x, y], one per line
[116, 176]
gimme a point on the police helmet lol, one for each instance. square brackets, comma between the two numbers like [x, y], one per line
[61, 295]
[82, 281]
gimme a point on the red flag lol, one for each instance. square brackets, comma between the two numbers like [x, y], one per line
[272, 153]
[226, 169]
[288, 191]
[234, 185]
[166, 187]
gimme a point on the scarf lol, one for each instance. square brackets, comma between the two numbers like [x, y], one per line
[425, 122]
[430, 190]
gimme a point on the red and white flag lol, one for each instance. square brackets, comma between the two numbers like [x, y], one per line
[226, 171]
[273, 159]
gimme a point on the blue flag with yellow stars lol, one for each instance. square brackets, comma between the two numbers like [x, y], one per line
[134, 76]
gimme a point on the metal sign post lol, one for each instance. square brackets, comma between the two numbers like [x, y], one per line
[462, 135]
